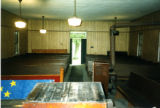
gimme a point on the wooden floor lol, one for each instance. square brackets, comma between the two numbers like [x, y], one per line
[12, 103]
[119, 95]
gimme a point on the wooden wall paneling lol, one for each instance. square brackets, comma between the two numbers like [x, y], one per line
[7, 44]
[43, 41]
[96, 43]
[51, 44]
[65, 39]
[50, 40]
[54, 42]
[102, 43]
[91, 43]
[150, 42]
[10, 42]
[35, 40]
[122, 42]
[8, 29]
[99, 42]
[62, 25]
[58, 35]
[61, 40]
[23, 41]
[133, 41]
[2, 41]
[150, 46]
[35, 24]
[29, 42]
[108, 41]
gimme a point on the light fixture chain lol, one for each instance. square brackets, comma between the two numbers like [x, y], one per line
[75, 8]
[115, 21]
[20, 11]
[42, 22]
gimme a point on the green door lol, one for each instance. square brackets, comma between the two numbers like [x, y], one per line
[83, 51]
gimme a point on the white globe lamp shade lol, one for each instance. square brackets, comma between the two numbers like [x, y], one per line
[43, 31]
[20, 24]
[74, 21]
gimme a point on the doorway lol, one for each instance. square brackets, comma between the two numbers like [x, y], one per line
[159, 48]
[77, 47]
[140, 44]
[16, 43]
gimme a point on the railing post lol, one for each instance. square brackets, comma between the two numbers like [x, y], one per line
[112, 49]
[61, 74]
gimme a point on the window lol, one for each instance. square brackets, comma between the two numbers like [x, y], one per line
[159, 48]
[16, 43]
[140, 44]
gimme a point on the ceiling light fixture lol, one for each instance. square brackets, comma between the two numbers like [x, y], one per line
[20, 23]
[74, 21]
[43, 31]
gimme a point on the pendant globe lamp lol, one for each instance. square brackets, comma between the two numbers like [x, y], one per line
[74, 21]
[43, 31]
[20, 23]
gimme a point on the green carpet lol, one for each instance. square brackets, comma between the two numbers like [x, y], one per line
[77, 73]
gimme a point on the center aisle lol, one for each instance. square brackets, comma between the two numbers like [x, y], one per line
[77, 73]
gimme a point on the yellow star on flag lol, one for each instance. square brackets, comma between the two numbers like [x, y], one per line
[1, 88]
[13, 83]
[6, 94]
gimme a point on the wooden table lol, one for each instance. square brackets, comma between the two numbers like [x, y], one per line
[67, 95]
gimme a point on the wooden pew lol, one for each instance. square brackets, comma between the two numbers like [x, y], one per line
[57, 51]
[142, 91]
[55, 77]
[101, 74]
[37, 66]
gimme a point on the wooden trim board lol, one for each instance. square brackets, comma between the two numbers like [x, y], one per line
[54, 51]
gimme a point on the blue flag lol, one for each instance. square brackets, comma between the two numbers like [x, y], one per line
[18, 89]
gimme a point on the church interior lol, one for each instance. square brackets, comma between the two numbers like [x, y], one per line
[80, 53]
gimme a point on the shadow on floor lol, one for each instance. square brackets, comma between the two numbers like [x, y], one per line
[77, 73]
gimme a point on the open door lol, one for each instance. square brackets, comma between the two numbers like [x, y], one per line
[83, 51]
[78, 47]
[70, 51]
[76, 51]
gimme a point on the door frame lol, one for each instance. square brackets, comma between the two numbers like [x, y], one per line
[158, 57]
[81, 43]
[83, 50]
[16, 43]
[140, 35]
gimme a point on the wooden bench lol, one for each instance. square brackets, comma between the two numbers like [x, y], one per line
[41, 76]
[142, 91]
[53, 51]
[101, 74]
[35, 67]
